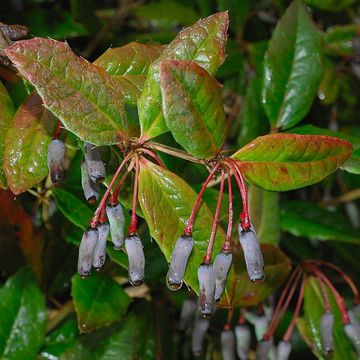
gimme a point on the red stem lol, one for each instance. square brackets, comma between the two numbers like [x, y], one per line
[325, 296]
[338, 298]
[115, 194]
[207, 257]
[57, 131]
[288, 333]
[102, 218]
[133, 220]
[189, 228]
[227, 245]
[346, 277]
[95, 219]
[154, 156]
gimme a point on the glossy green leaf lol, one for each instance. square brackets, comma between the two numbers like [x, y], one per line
[83, 96]
[203, 43]
[339, 39]
[131, 59]
[23, 317]
[192, 107]
[314, 308]
[281, 162]
[61, 339]
[330, 5]
[293, 68]
[167, 201]
[135, 337]
[6, 115]
[26, 145]
[302, 218]
[98, 300]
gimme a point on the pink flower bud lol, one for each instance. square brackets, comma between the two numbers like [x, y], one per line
[222, 264]
[95, 166]
[243, 338]
[116, 218]
[326, 332]
[55, 160]
[353, 332]
[283, 350]
[228, 345]
[99, 256]
[198, 335]
[136, 257]
[86, 251]
[178, 261]
[206, 279]
[187, 313]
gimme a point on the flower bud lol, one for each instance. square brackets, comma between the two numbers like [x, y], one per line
[96, 167]
[222, 264]
[243, 338]
[263, 348]
[228, 345]
[136, 257]
[283, 350]
[261, 324]
[252, 253]
[86, 251]
[353, 332]
[178, 261]
[354, 314]
[206, 279]
[326, 332]
[187, 313]
[55, 160]
[99, 256]
[198, 335]
[116, 218]
[90, 188]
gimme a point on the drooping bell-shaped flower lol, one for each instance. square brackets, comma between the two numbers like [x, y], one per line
[86, 251]
[353, 332]
[55, 160]
[228, 345]
[95, 165]
[354, 314]
[326, 332]
[222, 264]
[136, 258]
[90, 188]
[243, 339]
[252, 253]
[283, 350]
[206, 302]
[263, 348]
[261, 323]
[178, 261]
[99, 256]
[188, 310]
[116, 219]
[198, 335]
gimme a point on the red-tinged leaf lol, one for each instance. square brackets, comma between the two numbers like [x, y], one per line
[240, 291]
[166, 201]
[281, 162]
[131, 59]
[192, 107]
[83, 96]
[26, 146]
[203, 43]
[6, 115]
[19, 238]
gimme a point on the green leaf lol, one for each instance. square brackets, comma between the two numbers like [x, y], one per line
[131, 59]
[329, 86]
[330, 5]
[6, 114]
[339, 39]
[26, 145]
[61, 339]
[83, 96]
[302, 218]
[23, 317]
[203, 43]
[135, 337]
[314, 308]
[281, 162]
[192, 107]
[76, 211]
[167, 201]
[98, 300]
[293, 68]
